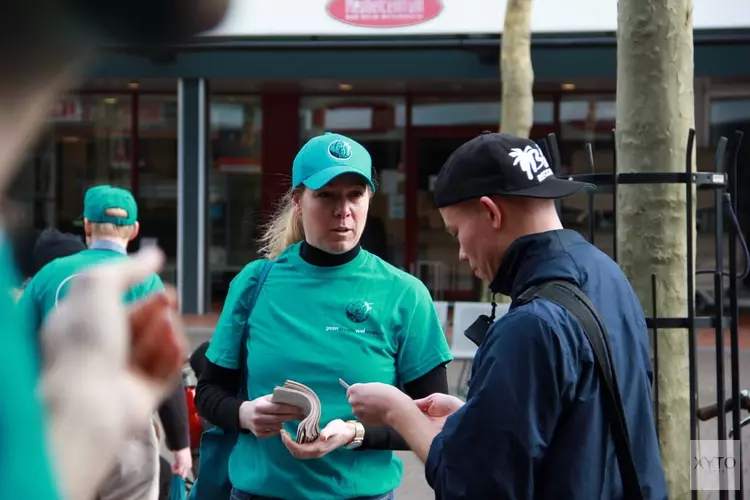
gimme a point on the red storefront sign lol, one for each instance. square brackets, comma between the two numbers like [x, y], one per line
[384, 13]
[67, 110]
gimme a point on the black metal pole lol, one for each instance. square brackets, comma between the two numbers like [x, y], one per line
[614, 195]
[545, 150]
[554, 154]
[592, 214]
[690, 234]
[655, 330]
[734, 312]
[721, 420]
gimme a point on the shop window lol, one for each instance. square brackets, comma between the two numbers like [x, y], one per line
[156, 181]
[87, 141]
[484, 112]
[234, 189]
[587, 119]
[727, 116]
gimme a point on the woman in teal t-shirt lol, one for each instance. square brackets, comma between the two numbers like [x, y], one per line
[328, 310]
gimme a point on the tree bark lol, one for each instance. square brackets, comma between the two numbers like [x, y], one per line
[655, 110]
[516, 70]
[517, 78]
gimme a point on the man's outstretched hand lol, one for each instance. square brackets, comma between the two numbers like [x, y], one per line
[438, 407]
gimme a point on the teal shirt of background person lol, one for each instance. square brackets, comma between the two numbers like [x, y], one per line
[26, 469]
[363, 321]
[53, 281]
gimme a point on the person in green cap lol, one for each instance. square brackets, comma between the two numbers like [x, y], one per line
[328, 310]
[110, 224]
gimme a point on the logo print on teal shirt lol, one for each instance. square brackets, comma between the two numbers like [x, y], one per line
[340, 149]
[358, 311]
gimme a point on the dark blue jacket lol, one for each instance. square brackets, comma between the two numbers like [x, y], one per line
[533, 425]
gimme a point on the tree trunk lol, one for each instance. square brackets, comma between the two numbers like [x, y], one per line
[517, 78]
[516, 71]
[655, 110]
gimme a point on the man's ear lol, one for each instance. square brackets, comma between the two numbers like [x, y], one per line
[136, 230]
[490, 208]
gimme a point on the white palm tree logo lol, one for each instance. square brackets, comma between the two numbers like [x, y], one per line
[531, 160]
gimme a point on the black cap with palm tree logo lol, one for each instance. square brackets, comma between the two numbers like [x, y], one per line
[500, 164]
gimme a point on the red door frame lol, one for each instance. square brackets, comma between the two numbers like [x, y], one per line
[413, 136]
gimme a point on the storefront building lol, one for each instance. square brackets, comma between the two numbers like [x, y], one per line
[204, 134]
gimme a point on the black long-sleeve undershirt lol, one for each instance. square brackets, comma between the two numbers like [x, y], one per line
[217, 402]
[174, 419]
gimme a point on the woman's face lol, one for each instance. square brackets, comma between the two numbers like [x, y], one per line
[334, 216]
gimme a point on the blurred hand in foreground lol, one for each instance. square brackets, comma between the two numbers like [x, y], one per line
[107, 367]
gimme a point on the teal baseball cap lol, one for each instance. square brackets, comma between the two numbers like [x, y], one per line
[99, 199]
[327, 156]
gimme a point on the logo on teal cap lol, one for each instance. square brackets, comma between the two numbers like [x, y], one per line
[340, 150]
[327, 156]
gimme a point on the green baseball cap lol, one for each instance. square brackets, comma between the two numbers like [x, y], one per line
[327, 156]
[99, 199]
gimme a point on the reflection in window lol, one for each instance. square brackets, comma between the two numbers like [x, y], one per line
[587, 119]
[472, 113]
[234, 192]
[726, 116]
[87, 142]
[437, 259]
[157, 172]
[441, 126]
[351, 116]
[456, 113]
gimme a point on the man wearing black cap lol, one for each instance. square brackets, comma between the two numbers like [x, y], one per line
[534, 424]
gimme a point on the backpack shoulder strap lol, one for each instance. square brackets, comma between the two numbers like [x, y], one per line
[267, 265]
[572, 299]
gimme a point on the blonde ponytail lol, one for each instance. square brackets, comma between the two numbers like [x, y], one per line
[284, 229]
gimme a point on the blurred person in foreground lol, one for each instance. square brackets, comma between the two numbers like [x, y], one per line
[107, 367]
[110, 224]
[535, 423]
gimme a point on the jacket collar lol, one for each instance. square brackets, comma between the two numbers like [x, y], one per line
[535, 258]
[108, 245]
